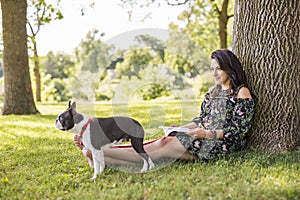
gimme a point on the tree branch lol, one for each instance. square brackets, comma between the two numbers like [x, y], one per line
[229, 16]
[31, 28]
[216, 8]
[177, 2]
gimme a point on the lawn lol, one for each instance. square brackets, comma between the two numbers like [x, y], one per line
[39, 162]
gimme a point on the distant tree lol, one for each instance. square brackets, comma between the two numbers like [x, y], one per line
[92, 54]
[135, 60]
[18, 97]
[185, 56]
[55, 89]
[39, 14]
[91, 41]
[98, 59]
[154, 43]
[59, 65]
[156, 81]
[92, 59]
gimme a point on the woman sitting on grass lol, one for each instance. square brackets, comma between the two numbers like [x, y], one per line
[222, 127]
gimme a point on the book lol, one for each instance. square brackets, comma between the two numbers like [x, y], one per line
[169, 130]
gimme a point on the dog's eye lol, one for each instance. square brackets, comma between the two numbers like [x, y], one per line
[61, 119]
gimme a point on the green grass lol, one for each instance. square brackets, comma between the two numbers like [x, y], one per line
[39, 162]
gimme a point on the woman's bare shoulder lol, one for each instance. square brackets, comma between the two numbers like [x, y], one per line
[244, 93]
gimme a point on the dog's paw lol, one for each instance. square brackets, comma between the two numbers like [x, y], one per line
[145, 166]
[151, 164]
[93, 178]
[148, 165]
[143, 170]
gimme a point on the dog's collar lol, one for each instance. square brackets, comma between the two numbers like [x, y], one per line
[84, 127]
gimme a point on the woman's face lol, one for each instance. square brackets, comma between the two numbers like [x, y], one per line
[221, 77]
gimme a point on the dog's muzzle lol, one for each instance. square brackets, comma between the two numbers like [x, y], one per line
[58, 125]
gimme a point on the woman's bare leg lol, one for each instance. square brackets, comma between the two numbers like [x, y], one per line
[167, 147]
[88, 154]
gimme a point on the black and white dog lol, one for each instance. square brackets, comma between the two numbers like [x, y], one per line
[100, 133]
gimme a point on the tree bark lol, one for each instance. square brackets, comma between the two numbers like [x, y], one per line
[18, 97]
[267, 41]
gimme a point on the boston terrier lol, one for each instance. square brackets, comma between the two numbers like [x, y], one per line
[100, 133]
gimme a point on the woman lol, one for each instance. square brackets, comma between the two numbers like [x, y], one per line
[225, 119]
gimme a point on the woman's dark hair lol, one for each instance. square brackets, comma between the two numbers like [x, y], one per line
[229, 63]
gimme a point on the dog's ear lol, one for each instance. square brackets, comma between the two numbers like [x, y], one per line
[73, 108]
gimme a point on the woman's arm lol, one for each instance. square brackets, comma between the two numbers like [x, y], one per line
[238, 125]
[191, 125]
[243, 93]
[208, 134]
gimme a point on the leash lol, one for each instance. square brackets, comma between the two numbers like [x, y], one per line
[129, 146]
[84, 127]
[82, 132]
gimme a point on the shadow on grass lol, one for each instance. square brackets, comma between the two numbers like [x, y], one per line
[264, 159]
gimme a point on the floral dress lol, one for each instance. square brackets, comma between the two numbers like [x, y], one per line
[220, 110]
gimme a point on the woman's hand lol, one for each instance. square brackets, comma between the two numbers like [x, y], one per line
[77, 141]
[198, 132]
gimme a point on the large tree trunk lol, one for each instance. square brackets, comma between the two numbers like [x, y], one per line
[18, 97]
[267, 40]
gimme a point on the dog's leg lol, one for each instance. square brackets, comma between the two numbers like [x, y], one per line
[137, 144]
[150, 163]
[145, 166]
[99, 164]
[101, 161]
[96, 166]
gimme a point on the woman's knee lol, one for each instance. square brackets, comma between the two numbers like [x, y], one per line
[166, 141]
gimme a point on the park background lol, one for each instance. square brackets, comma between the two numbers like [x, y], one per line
[157, 43]
[159, 76]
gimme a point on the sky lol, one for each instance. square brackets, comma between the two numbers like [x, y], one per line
[107, 16]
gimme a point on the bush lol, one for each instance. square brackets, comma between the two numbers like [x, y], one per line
[55, 90]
